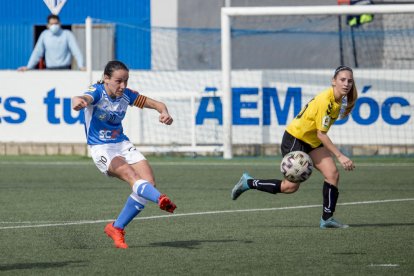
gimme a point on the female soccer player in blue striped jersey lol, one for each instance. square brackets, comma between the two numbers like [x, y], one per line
[308, 133]
[105, 105]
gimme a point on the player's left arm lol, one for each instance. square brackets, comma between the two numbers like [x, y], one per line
[346, 163]
[142, 101]
[165, 116]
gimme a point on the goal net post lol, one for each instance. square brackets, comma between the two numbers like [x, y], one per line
[386, 67]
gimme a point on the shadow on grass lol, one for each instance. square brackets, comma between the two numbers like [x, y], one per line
[349, 253]
[43, 265]
[287, 226]
[350, 226]
[191, 244]
[381, 225]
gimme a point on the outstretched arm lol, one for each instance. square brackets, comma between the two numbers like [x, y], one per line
[346, 163]
[80, 102]
[165, 117]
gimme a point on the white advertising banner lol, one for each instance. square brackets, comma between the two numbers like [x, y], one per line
[35, 106]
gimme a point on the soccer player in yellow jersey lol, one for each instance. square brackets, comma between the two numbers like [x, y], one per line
[308, 133]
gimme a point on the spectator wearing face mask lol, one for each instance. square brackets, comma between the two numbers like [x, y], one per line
[57, 46]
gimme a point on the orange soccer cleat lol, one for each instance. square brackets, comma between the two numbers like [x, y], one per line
[118, 235]
[166, 204]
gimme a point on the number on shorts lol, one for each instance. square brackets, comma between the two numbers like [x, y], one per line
[103, 160]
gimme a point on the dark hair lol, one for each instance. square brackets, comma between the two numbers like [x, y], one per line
[53, 16]
[112, 66]
[342, 68]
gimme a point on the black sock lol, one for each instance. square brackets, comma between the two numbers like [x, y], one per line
[330, 197]
[266, 185]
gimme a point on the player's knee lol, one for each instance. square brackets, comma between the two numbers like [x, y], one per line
[151, 180]
[130, 176]
[288, 187]
[332, 176]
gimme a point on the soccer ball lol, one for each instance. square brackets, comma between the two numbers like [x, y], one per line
[296, 166]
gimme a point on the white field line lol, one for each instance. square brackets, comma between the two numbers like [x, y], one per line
[83, 222]
[188, 163]
[384, 265]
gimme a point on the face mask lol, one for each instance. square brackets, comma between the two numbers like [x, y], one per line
[54, 28]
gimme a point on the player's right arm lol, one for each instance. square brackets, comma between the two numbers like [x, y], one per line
[346, 163]
[37, 54]
[80, 102]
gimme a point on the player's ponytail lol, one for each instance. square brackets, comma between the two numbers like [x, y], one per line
[351, 99]
[101, 80]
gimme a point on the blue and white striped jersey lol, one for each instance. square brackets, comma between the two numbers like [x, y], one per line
[103, 117]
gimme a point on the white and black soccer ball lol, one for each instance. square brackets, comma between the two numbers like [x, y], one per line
[296, 166]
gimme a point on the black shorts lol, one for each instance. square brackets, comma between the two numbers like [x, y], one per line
[291, 143]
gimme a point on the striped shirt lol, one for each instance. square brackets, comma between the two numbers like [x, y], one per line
[103, 117]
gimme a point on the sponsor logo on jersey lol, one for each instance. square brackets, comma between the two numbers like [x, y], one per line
[105, 134]
[326, 121]
[91, 88]
[102, 117]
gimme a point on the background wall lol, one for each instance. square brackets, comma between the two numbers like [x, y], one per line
[185, 35]
[18, 19]
[179, 40]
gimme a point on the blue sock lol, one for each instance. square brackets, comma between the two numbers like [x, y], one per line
[131, 209]
[144, 189]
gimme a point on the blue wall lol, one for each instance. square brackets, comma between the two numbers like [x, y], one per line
[132, 45]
